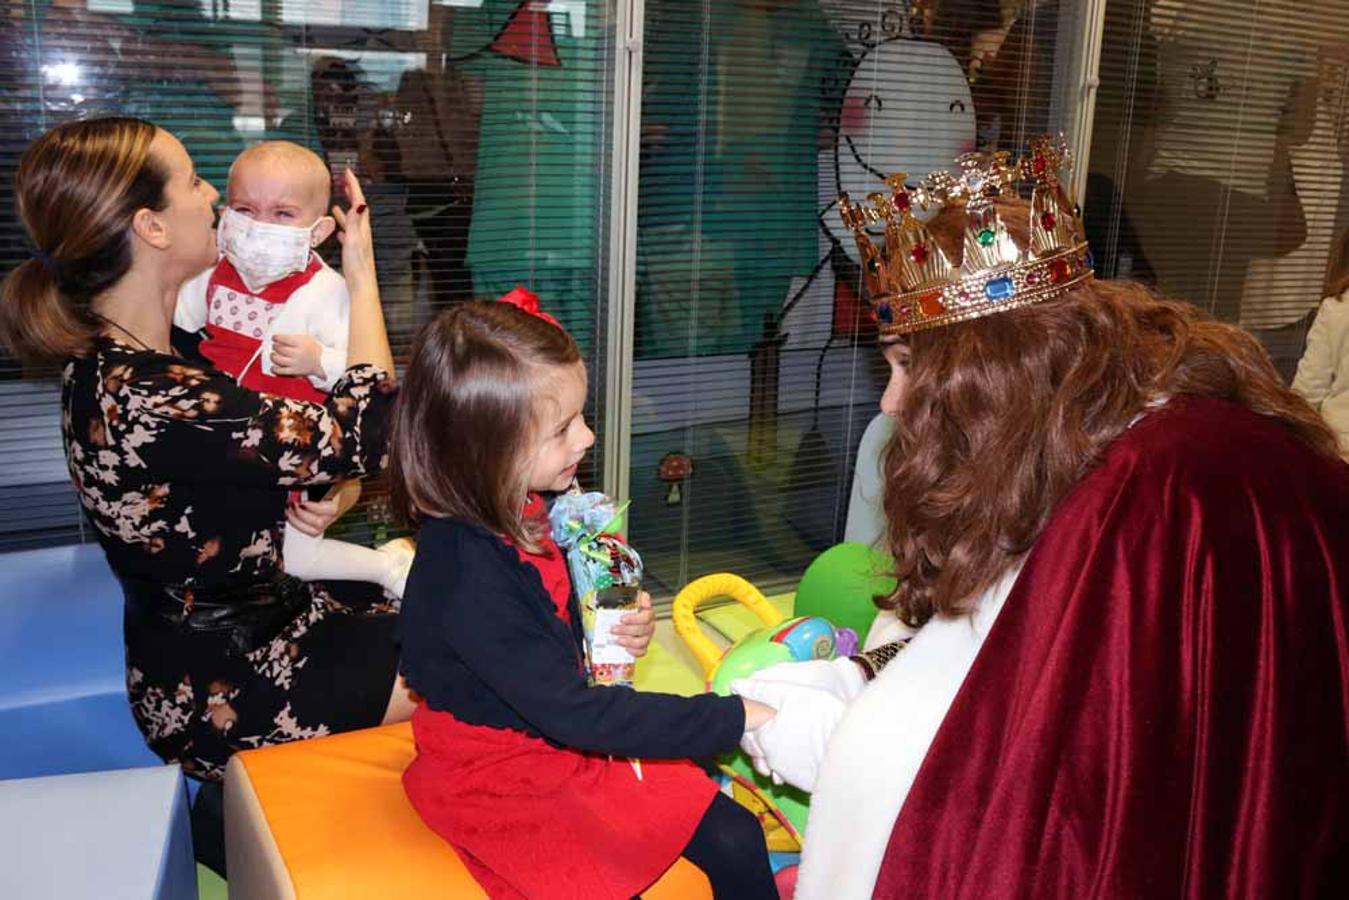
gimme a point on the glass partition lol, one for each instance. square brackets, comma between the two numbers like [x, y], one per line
[755, 363]
[1217, 164]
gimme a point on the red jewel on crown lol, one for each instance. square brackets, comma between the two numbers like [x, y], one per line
[1047, 221]
[930, 303]
[918, 253]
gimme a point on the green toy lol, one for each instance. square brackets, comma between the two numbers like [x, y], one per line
[841, 584]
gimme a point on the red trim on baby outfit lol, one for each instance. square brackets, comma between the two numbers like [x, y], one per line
[231, 351]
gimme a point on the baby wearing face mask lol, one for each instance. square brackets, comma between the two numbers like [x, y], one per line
[276, 318]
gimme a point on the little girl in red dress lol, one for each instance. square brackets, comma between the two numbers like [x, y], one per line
[521, 765]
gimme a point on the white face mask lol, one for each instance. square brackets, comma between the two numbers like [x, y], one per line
[262, 252]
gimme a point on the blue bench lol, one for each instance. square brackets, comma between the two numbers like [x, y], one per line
[63, 702]
[97, 834]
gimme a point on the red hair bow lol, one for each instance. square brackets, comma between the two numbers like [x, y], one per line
[524, 299]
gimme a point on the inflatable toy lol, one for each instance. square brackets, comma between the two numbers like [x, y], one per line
[842, 583]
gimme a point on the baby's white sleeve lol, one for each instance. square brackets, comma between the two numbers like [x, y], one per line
[190, 312]
[329, 324]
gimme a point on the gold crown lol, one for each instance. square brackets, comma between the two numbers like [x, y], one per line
[913, 286]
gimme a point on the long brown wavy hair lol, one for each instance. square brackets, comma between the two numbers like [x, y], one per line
[1003, 415]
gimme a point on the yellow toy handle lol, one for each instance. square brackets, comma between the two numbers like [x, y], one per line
[698, 592]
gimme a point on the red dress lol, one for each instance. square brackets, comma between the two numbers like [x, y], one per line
[531, 819]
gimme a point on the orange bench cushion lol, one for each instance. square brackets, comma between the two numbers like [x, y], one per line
[342, 826]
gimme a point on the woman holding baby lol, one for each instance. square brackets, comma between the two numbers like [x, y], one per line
[188, 472]
[192, 468]
[184, 472]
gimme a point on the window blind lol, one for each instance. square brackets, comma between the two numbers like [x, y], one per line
[755, 373]
[480, 129]
[1216, 167]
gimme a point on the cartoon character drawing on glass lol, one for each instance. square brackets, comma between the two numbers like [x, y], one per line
[907, 108]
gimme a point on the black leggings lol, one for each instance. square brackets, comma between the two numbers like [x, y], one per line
[729, 847]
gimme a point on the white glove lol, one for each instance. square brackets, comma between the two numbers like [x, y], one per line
[841, 677]
[792, 743]
[750, 744]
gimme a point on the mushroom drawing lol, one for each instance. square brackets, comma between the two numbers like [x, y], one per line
[674, 468]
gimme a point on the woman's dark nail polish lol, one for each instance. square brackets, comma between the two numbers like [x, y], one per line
[360, 208]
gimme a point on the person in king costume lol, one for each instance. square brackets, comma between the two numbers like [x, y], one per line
[1124, 547]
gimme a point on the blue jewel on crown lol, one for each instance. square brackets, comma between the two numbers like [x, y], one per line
[999, 288]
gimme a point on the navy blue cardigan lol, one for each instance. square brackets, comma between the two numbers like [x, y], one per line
[480, 640]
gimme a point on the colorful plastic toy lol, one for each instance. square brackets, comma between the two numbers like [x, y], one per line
[781, 809]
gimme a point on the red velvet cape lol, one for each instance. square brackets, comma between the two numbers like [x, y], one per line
[1162, 707]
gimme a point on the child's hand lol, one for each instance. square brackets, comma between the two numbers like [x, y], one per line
[757, 714]
[636, 628]
[790, 740]
[296, 354]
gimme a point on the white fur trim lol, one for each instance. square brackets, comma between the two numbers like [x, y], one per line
[874, 754]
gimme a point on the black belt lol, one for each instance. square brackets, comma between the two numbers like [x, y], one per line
[248, 614]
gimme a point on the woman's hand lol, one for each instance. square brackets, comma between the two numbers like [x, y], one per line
[841, 677]
[636, 628]
[368, 341]
[358, 248]
[314, 516]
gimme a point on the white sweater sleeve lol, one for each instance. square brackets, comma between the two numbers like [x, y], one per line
[190, 312]
[1316, 369]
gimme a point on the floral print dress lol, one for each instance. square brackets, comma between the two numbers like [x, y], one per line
[184, 475]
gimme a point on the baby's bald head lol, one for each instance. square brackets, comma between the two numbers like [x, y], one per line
[279, 182]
